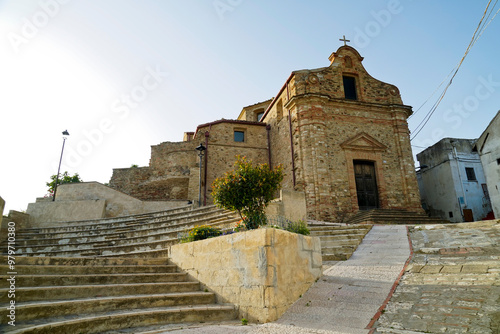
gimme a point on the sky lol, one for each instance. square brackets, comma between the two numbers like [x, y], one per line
[122, 75]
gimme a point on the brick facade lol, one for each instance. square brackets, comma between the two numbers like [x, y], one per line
[314, 131]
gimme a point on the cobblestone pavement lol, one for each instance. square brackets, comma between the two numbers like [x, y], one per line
[452, 284]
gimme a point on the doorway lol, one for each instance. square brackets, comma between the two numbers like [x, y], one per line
[366, 184]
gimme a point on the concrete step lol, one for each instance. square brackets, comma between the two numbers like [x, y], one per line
[45, 309]
[100, 322]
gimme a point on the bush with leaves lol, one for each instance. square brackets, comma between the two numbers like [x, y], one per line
[247, 189]
[63, 178]
[201, 232]
[298, 227]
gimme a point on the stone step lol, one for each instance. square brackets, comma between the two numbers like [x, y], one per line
[100, 322]
[84, 261]
[337, 250]
[45, 309]
[360, 232]
[336, 257]
[343, 242]
[126, 222]
[119, 233]
[336, 227]
[68, 280]
[121, 248]
[85, 270]
[389, 216]
[326, 235]
[98, 237]
[25, 294]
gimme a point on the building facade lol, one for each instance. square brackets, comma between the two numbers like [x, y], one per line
[341, 135]
[452, 182]
[488, 147]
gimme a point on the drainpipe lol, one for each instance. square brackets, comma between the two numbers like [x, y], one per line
[291, 136]
[455, 156]
[207, 134]
[268, 128]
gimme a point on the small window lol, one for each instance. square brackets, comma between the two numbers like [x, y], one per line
[471, 176]
[259, 116]
[239, 136]
[350, 88]
[450, 214]
[498, 161]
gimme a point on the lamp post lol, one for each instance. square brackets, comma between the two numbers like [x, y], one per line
[65, 133]
[201, 150]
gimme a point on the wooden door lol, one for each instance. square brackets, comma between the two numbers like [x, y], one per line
[366, 185]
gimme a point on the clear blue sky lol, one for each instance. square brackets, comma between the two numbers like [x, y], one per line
[122, 75]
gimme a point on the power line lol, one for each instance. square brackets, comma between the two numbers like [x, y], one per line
[481, 27]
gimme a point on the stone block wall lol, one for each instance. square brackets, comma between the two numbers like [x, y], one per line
[262, 272]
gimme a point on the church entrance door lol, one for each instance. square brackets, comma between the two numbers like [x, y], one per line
[366, 185]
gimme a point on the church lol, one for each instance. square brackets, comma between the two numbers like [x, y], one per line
[341, 135]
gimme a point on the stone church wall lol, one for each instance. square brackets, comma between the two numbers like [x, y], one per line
[323, 121]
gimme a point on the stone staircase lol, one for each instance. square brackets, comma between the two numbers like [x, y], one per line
[107, 274]
[146, 235]
[338, 242]
[389, 216]
[95, 295]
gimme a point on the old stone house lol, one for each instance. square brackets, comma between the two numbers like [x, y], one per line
[341, 135]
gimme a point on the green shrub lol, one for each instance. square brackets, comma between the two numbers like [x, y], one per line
[247, 189]
[201, 232]
[298, 227]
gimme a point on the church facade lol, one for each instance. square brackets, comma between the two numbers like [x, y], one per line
[341, 135]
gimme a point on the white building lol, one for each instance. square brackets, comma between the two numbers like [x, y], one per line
[452, 182]
[488, 147]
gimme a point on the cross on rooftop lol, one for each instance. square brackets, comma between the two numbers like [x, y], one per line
[344, 40]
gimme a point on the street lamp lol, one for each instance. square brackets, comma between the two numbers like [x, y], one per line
[65, 133]
[201, 150]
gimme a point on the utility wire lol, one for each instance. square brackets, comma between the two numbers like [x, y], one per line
[477, 33]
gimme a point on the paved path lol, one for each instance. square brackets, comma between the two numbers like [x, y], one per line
[345, 298]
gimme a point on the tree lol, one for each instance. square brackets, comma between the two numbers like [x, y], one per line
[63, 178]
[247, 189]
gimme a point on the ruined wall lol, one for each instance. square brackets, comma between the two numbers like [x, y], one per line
[172, 174]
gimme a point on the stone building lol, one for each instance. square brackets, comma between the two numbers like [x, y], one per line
[341, 135]
[452, 181]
